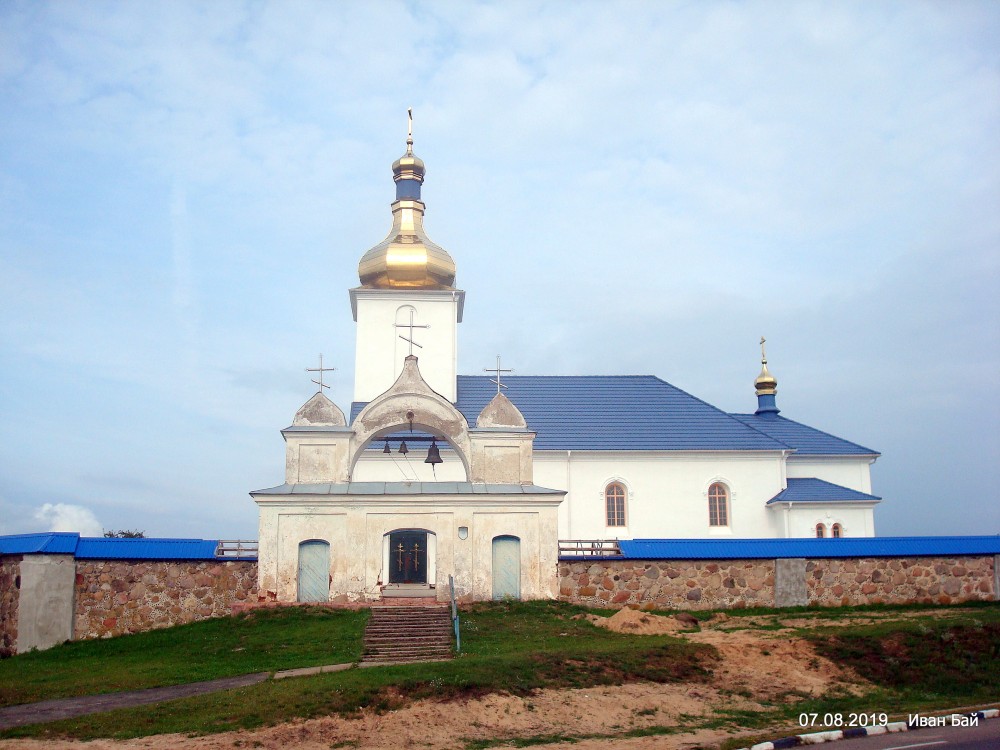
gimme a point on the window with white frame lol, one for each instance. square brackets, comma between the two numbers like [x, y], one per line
[614, 503]
[718, 505]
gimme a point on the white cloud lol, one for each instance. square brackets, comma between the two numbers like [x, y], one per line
[66, 517]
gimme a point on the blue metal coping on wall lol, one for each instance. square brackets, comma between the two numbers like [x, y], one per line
[110, 548]
[812, 490]
[53, 543]
[755, 549]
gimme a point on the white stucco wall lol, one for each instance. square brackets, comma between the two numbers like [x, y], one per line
[379, 351]
[667, 492]
[803, 517]
[355, 528]
[848, 471]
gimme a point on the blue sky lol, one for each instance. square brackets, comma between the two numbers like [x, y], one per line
[627, 188]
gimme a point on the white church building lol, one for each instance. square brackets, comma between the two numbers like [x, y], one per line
[434, 474]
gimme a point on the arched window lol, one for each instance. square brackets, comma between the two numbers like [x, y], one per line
[614, 503]
[837, 531]
[718, 505]
[820, 531]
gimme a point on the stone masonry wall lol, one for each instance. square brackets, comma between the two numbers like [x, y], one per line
[114, 597]
[668, 584]
[10, 595]
[899, 580]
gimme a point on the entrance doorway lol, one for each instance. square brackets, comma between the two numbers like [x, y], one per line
[314, 571]
[506, 567]
[408, 557]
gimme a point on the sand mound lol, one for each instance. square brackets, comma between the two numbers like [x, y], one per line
[636, 622]
[766, 667]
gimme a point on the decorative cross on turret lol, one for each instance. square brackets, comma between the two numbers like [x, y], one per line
[411, 325]
[320, 370]
[763, 354]
[497, 370]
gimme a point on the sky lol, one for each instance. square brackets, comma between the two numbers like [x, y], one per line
[626, 187]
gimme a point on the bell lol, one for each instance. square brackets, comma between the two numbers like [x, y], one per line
[387, 449]
[433, 454]
[402, 447]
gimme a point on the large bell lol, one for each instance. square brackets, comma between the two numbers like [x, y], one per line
[433, 454]
[402, 447]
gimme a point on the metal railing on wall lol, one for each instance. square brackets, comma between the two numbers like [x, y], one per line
[236, 549]
[454, 615]
[589, 548]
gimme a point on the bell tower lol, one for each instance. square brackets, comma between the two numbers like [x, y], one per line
[407, 303]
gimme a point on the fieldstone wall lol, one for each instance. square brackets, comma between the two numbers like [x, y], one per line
[668, 584]
[10, 595]
[114, 597]
[900, 580]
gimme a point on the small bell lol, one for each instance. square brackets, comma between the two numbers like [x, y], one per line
[433, 454]
[402, 447]
[387, 449]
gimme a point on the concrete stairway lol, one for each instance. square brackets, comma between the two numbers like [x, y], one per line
[408, 633]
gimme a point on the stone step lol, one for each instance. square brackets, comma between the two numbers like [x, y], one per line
[410, 627]
[395, 653]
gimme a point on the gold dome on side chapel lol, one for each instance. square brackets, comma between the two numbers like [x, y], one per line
[406, 258]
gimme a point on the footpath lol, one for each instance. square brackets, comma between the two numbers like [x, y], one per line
[67, 708]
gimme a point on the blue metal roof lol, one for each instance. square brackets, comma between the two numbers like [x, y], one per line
[108, 548]
[807, 441]
[101, 548]
[812, 490]
[617, 412]
[52, 543]
[715, 549]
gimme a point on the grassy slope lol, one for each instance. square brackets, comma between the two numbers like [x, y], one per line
[264, 641]
[507, 647]
[919, 662]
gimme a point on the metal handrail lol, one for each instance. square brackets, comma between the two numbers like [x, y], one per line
[236, 549]
[454, 615]
[589, 547]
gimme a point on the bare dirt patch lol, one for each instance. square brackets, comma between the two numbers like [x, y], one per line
[753, 666]
[436, 726]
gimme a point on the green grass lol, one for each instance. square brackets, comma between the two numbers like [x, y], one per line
[919, 662]
[264, 640]
[508, 647]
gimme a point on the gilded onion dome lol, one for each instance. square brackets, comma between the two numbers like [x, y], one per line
[406, 258]
[766, 385]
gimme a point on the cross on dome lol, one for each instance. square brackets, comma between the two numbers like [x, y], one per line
[497, 370]
[320, 370]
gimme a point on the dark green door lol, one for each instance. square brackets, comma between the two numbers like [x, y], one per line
[408, 557]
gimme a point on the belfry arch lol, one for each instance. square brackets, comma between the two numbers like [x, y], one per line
[410, 405]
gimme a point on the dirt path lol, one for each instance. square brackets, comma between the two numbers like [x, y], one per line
[754, 666]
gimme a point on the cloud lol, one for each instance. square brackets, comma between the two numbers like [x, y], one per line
[66, 517]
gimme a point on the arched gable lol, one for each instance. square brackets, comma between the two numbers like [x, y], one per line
[411, 404]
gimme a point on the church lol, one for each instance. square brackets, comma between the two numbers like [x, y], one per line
[434, 479]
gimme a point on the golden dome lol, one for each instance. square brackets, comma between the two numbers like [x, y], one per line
[406, 258]
[766, 384]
